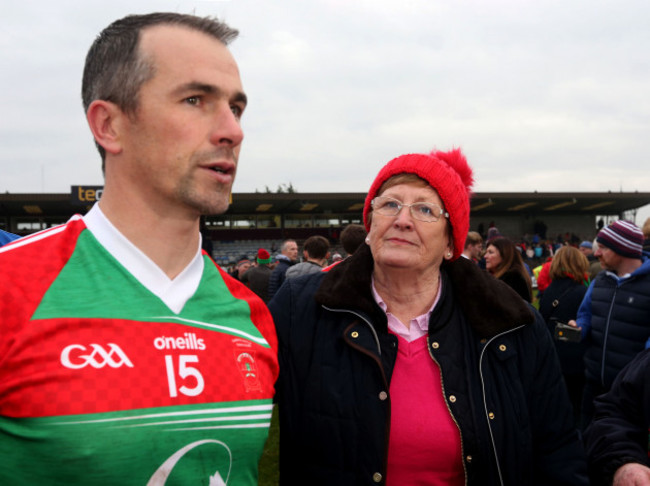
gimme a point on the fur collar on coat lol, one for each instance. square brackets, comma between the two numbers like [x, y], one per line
[489, 305]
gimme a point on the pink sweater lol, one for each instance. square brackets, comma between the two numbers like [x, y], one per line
[424, 446]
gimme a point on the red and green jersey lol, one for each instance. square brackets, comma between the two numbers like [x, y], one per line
[101, 383]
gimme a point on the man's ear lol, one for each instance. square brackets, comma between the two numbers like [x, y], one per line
[105, 122]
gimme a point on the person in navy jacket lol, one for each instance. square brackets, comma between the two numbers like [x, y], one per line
[405, 364]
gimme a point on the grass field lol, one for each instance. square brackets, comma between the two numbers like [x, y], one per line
[269, 462]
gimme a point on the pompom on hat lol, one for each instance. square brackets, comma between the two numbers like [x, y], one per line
[623, 238]
[446, 172]
[263, 256]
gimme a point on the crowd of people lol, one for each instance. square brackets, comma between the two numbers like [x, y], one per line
[595, 300]
[127, 356]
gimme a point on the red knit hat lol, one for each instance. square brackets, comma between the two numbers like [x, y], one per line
[447, 173]
[263, 256]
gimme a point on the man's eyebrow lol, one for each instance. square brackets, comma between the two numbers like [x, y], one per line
[238, 97]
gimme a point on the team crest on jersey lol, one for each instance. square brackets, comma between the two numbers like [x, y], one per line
[245, 358]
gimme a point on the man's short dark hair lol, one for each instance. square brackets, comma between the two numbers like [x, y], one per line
[352, 236]
[115, 69]
[317, 247]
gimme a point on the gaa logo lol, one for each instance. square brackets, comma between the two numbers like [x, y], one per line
[77, 356]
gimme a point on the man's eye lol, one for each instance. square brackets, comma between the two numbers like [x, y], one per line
[193, 100]
[237, 110]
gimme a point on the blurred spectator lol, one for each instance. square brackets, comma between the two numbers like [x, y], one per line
[287, 257]
[493, 232]
[352, 236]
[587, 249]
[615, 311]
[543, 276]
[473, 247]
[242, 265]
[617, 439]
[7, 237]
[257, 277]
[315, 253]
[503, 261]
[646, 235]
[568, 283]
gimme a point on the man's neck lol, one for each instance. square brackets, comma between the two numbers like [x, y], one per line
[320, 262]
[627, 266]
[171, 242]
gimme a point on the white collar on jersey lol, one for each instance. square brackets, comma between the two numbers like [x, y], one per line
[174, 293]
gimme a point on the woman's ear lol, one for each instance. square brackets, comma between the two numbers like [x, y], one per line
[450, 248]
[105, 119]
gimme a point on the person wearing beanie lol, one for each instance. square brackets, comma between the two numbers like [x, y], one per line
[241, 267]
[587, 249]
[405, 364]
[615, 313]
[257, 277]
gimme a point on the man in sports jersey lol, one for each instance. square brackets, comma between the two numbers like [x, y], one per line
[126, 355]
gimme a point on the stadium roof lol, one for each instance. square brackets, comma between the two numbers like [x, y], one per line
[539, 203]
[494, 202]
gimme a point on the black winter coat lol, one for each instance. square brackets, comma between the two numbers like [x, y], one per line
[620, 323]
[501, 380]
[567, 294]
[278, 275]
[618, 433]
[518, 283]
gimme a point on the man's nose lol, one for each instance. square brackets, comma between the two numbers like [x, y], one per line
[227, 128]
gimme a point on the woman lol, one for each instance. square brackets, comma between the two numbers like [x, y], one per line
[405, 364]
[569, 275]
[502, 260]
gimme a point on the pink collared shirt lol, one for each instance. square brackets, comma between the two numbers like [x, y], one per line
[423, 448]
[419, 326]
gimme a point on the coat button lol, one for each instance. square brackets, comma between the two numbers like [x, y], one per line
[377, 477]
[383, 395]
[355, 334]
[502, 347]
[468, 459]
[452, 398]
[483, 341]
[435, 345]
[491, 415]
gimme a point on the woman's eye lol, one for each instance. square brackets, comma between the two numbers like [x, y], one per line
[424, 209]
[390, 205]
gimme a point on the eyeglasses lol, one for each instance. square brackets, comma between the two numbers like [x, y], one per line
[422, 211]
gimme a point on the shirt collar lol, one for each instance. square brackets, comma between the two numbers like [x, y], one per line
[419, 325]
